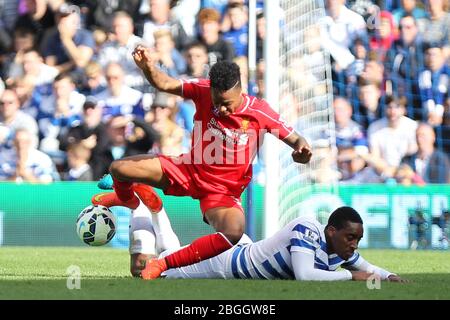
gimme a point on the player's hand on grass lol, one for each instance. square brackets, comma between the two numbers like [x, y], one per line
[303, 152]
[363, 276]
[395, 278]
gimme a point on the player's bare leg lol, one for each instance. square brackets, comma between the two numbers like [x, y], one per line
[228, 221]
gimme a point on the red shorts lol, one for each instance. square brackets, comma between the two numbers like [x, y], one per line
[184, 181]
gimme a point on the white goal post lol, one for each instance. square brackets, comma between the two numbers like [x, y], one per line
[299, 86]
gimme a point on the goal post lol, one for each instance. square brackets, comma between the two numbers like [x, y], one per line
[299, 86]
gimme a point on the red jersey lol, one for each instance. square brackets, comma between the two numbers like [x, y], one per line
[223, 148]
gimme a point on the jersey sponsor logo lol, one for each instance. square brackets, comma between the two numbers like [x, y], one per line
[228, 135]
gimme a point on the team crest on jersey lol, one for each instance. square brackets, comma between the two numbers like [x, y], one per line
[310, 236]
[244, 125]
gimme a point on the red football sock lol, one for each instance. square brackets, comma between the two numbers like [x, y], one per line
[200, 249]
[123, 189]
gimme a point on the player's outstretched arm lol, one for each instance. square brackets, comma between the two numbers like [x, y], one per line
[361, 266]
[303, 265]
[302, 150]
[146, 61]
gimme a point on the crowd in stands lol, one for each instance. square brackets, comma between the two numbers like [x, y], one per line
[72, 99]
[390, 65]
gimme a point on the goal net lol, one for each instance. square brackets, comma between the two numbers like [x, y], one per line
[298, 82]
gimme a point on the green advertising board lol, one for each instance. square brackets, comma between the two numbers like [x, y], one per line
[38, 215]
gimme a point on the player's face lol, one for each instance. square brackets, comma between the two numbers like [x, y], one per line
[345, 241]
[226, 102]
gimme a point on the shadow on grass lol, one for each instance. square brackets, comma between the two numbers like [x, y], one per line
[421, 286]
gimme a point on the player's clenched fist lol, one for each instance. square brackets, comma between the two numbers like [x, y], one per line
[142, 57]
[303, 152]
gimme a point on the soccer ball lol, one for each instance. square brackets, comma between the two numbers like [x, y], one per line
[96, 225]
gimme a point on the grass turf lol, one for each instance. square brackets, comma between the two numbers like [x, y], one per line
[40, 273]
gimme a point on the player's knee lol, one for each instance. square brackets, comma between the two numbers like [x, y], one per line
[233, 235]
[117, 169]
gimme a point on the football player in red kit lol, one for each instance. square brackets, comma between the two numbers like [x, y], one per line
[228, 130]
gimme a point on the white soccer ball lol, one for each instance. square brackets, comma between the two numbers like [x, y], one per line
[96, 225]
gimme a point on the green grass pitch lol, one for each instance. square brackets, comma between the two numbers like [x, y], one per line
[40, 273]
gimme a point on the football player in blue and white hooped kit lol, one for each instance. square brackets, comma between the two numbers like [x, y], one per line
[303, 249]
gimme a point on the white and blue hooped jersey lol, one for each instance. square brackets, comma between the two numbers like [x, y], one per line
[271, 258]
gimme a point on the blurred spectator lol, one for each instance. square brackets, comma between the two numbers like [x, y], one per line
[430, 164]
[409, 7]
[127, 138]
[24, 163]
[385, 35]
[392, 137]
[443, 222]
[369, 108]
[118, 98]
[218, 48]
[260, 35]
[348, 132]
[237, 33]
[325, 163]
[341, 27]
[373, 70]
[77, 158]
[197, 67]
[100, 38]
[355, 167]
[314, 59]
[356, 68]
[100, 13]
[24, 87]
[161, 119]
[185, 11]
[260, 71]
[242, 62]
[406, 176]
[404, 62]
[57, 113]
[32, 64]
[38, 17]
[92, 134]
[23, 41]
[94, 80]
[12, 118]
[433, 84]
[169, 59]
[68, 46]
[437, 29]
[419, 228]
[8, 14]
[197, 61]
[119, 49]
[2, 86]
[160, 18]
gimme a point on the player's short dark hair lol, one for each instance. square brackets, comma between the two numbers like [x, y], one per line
[342, 215]
[224, 75]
